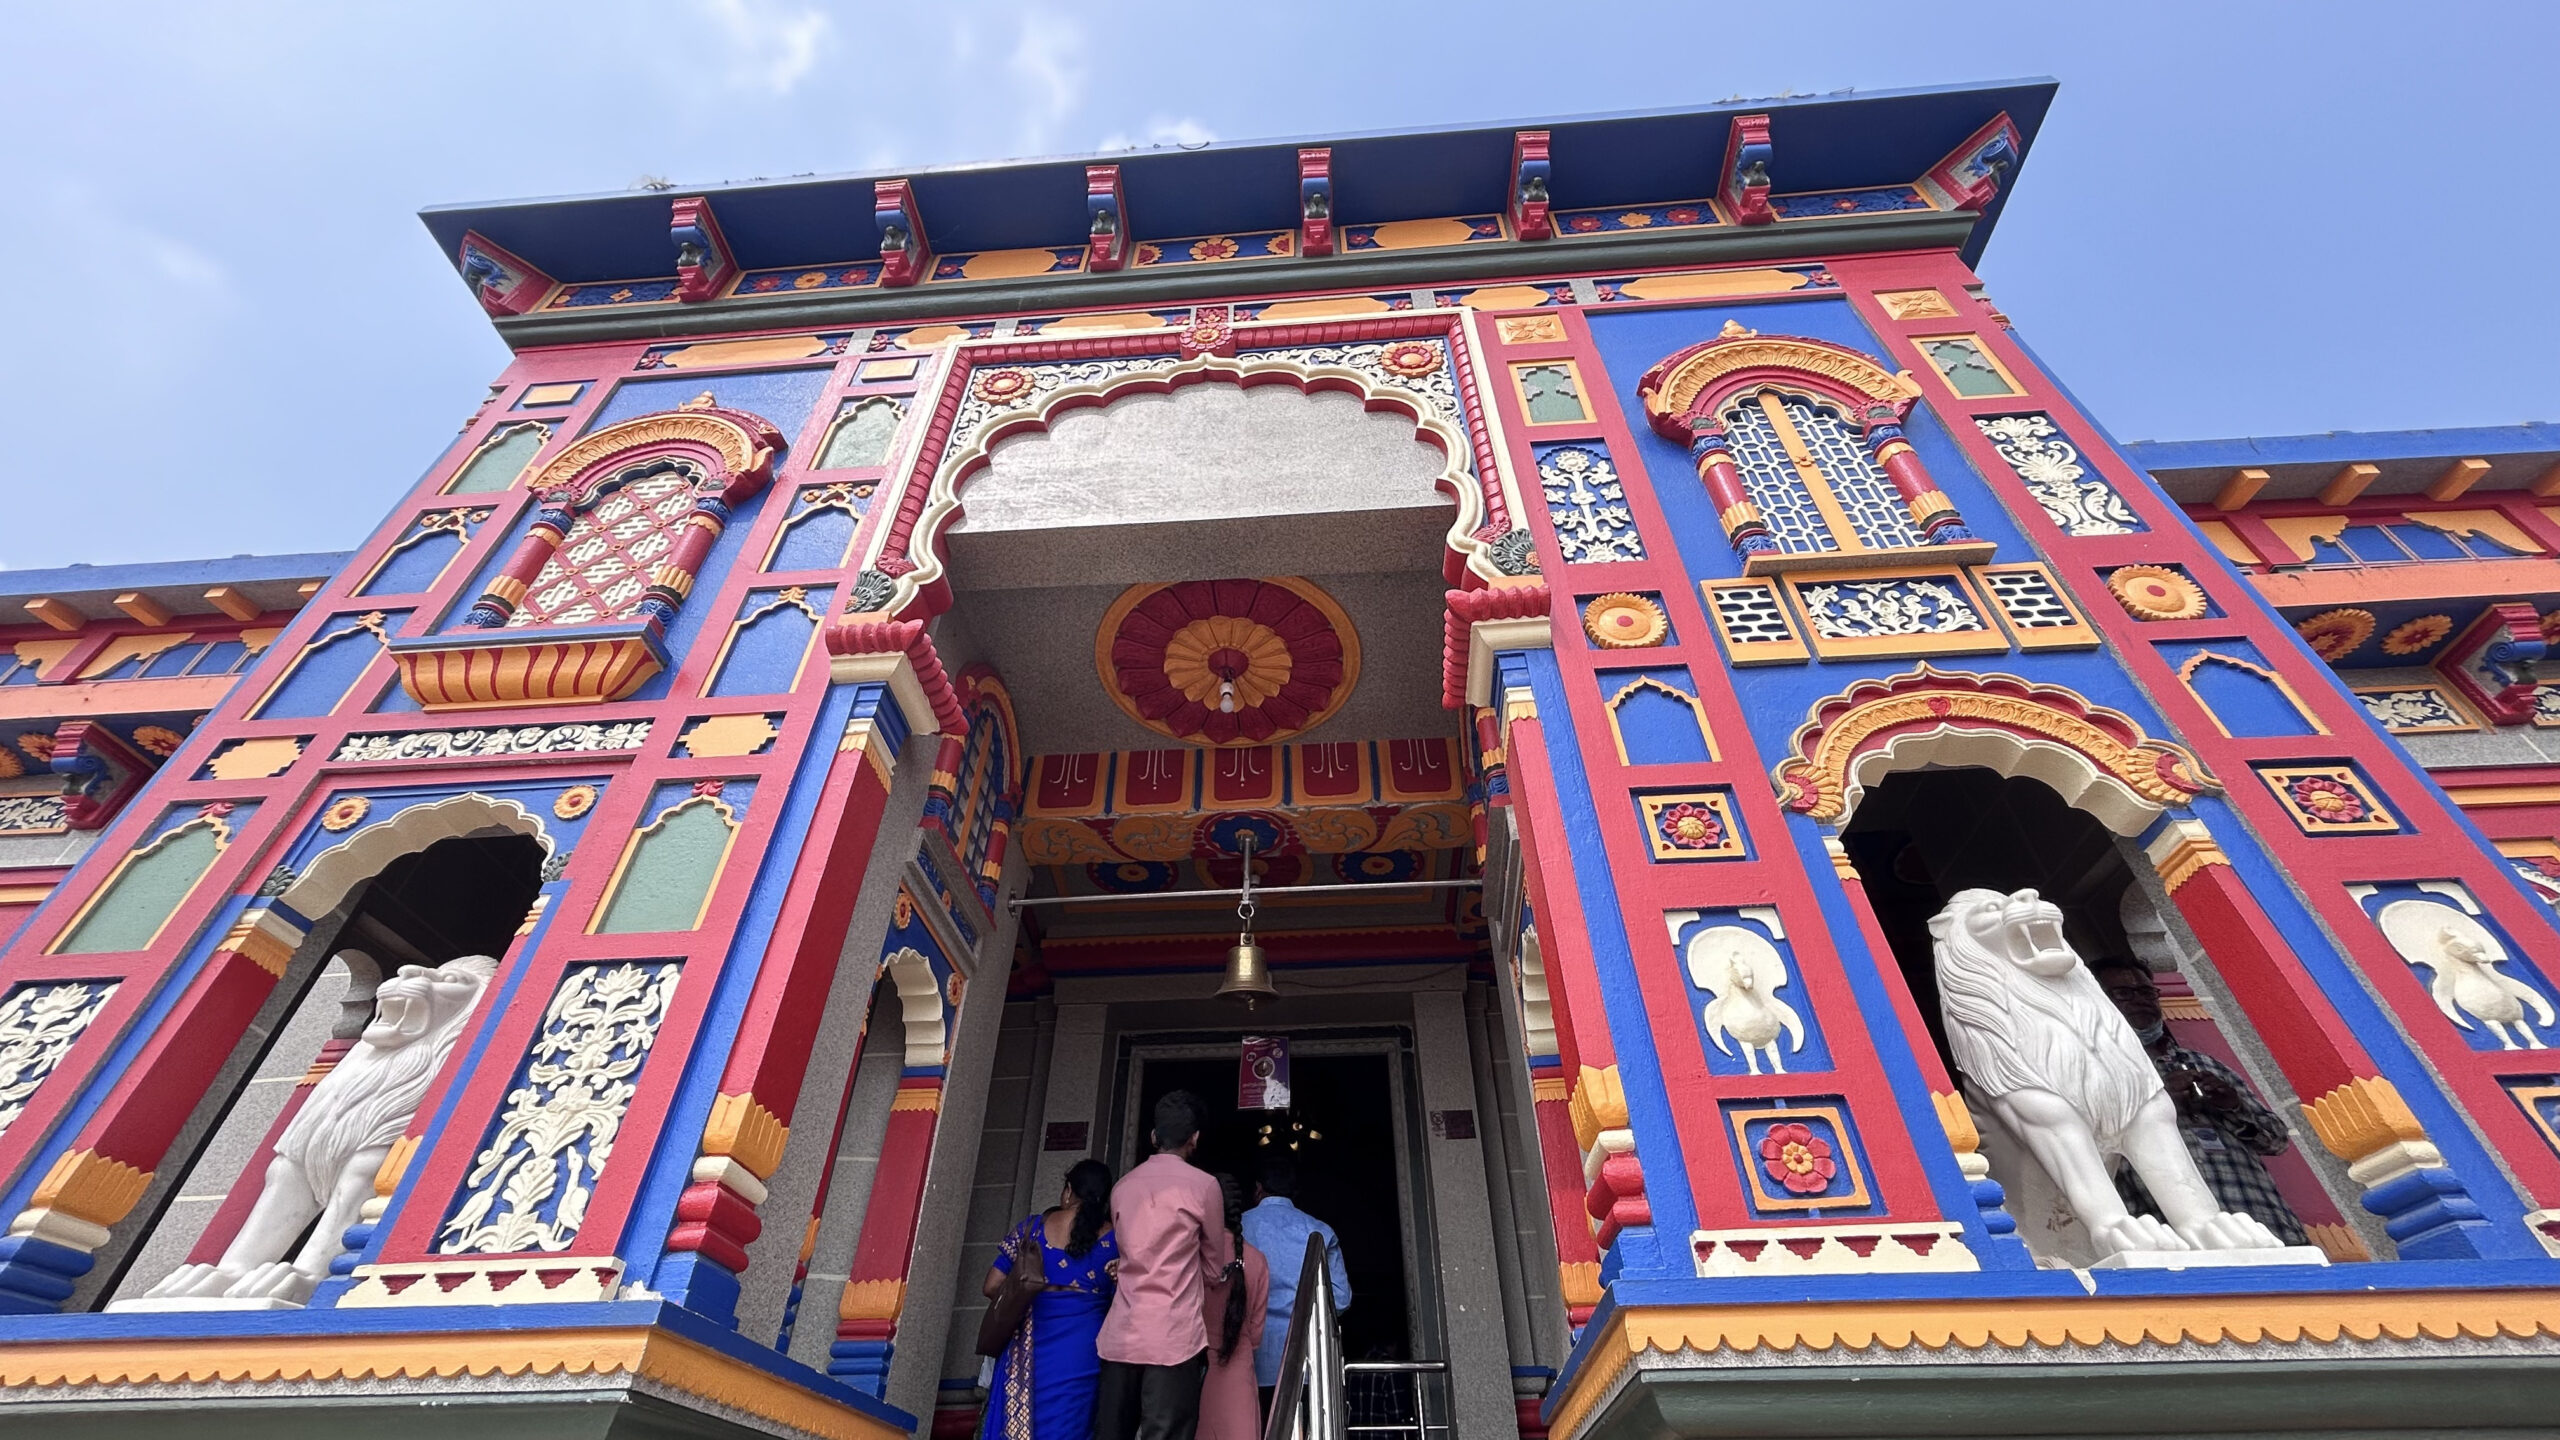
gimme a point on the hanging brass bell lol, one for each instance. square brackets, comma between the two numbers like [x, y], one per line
[1248, 974]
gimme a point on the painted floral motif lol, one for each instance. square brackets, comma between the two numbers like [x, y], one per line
[1868, 609]
[2335, 634]
[1589, 507]
[38, 744]
[158, 739]
[2410, 637]
[1216, 247]
[2327, 801]
[1691, 827]
[39, 1023]
[345, 813]
[1795, 1157]
[529, 1187]
[32, 815]
[2425, 708]
[575, 801]
[2079, 502]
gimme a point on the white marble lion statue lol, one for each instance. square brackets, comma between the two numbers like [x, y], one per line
[324, 1162]
[2064, 1073]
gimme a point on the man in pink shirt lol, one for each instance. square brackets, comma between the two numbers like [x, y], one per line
[1170, 1220]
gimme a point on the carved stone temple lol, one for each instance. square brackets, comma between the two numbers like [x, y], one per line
[1810, 890]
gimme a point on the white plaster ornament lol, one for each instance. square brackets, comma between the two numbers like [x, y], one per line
[1744, 974]
[2063, 1073]
[2461, 959]
[322, 1167]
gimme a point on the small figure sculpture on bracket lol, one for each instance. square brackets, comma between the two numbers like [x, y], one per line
[324, 1162]
[2067, 1081]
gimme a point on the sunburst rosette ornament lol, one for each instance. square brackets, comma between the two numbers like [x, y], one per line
[2335, 634]
[2413, 637]
[2156, 592]
[574, 802]
[1625, 622]
[1228, 662]
[345, 813]
[1410, 359]
[1005, 386]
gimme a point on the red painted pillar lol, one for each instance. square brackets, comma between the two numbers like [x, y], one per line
[876, 1289]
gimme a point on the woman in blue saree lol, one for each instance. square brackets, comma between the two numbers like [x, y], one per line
[1044, 1381]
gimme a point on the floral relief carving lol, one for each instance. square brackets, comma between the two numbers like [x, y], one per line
[520, 740]
[32, 815]
[1868, 609]
[2079, 502]
[39, 1023]
[2425, 708]
[1588, 504]
[529, 1187]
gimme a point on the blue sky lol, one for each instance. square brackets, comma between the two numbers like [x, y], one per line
[226, 331]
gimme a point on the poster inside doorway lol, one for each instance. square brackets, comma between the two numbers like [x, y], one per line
[1262, 1074]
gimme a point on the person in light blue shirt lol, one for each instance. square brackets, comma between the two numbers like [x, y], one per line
[1279, 1229]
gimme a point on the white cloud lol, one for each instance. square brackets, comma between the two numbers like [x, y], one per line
[1186, 132]
[1048, 60]
[772, 46]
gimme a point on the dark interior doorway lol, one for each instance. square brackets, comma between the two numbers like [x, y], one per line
[461, 896]
[1343, 1110]
[1920, 836]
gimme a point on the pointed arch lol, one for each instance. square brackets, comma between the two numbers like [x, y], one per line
[2097, 759]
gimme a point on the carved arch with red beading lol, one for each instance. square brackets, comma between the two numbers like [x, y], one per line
[986, 391]
[2097, 759]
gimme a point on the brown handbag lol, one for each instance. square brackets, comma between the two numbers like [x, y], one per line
[1013, 1298]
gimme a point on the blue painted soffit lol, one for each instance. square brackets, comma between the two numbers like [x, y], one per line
[1827, 142]
[2298, 466]
[273, 580]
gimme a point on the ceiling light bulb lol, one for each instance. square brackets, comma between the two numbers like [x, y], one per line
[1226, 697]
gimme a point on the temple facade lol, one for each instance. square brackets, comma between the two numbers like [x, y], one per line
[1806, 889]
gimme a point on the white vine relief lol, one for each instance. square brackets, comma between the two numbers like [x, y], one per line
[1868, 609]
[2079, 502]
[519, 740]
[530, 1185]
[39, 1024]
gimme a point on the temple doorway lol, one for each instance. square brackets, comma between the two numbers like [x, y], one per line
[1919, 836]
[1347, 1129]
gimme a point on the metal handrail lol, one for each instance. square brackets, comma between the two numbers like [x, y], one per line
[1413, 1370]
[1306, 1397]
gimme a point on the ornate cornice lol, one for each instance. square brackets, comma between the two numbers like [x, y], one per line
[2019, 1323]
[237, 1363]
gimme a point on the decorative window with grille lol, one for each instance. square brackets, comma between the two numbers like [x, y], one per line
[1800, 446]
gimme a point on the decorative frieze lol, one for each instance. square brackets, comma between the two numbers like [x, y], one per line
[482, 744]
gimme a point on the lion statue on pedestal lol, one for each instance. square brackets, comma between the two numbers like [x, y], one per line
[2063, 1072]
[325, 1161]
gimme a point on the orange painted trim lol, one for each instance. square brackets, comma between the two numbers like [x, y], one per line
[2369, 585]
[2014, 1324]
[114, 697]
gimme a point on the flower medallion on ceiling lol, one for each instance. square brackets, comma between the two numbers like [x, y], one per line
[1228, 662]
